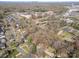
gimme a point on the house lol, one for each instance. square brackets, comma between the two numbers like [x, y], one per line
[1, 30]
[68, 20]
[2, 45]
[2, 39]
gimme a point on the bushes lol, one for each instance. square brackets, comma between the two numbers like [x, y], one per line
[1, 16]
[29, 40]
[3, 13]
[76, 26]
[34, 48]
[39, 10]
[22, 10]
[12, 53]
[32, 45]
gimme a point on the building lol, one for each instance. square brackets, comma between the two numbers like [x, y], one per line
[2, 39]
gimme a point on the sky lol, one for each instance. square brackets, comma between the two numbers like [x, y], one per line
[42, 0]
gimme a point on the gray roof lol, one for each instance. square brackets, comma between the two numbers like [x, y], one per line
[2, 45]
[3, 36]
[3, 41]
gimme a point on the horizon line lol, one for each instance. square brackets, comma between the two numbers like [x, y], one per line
[39, 1]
